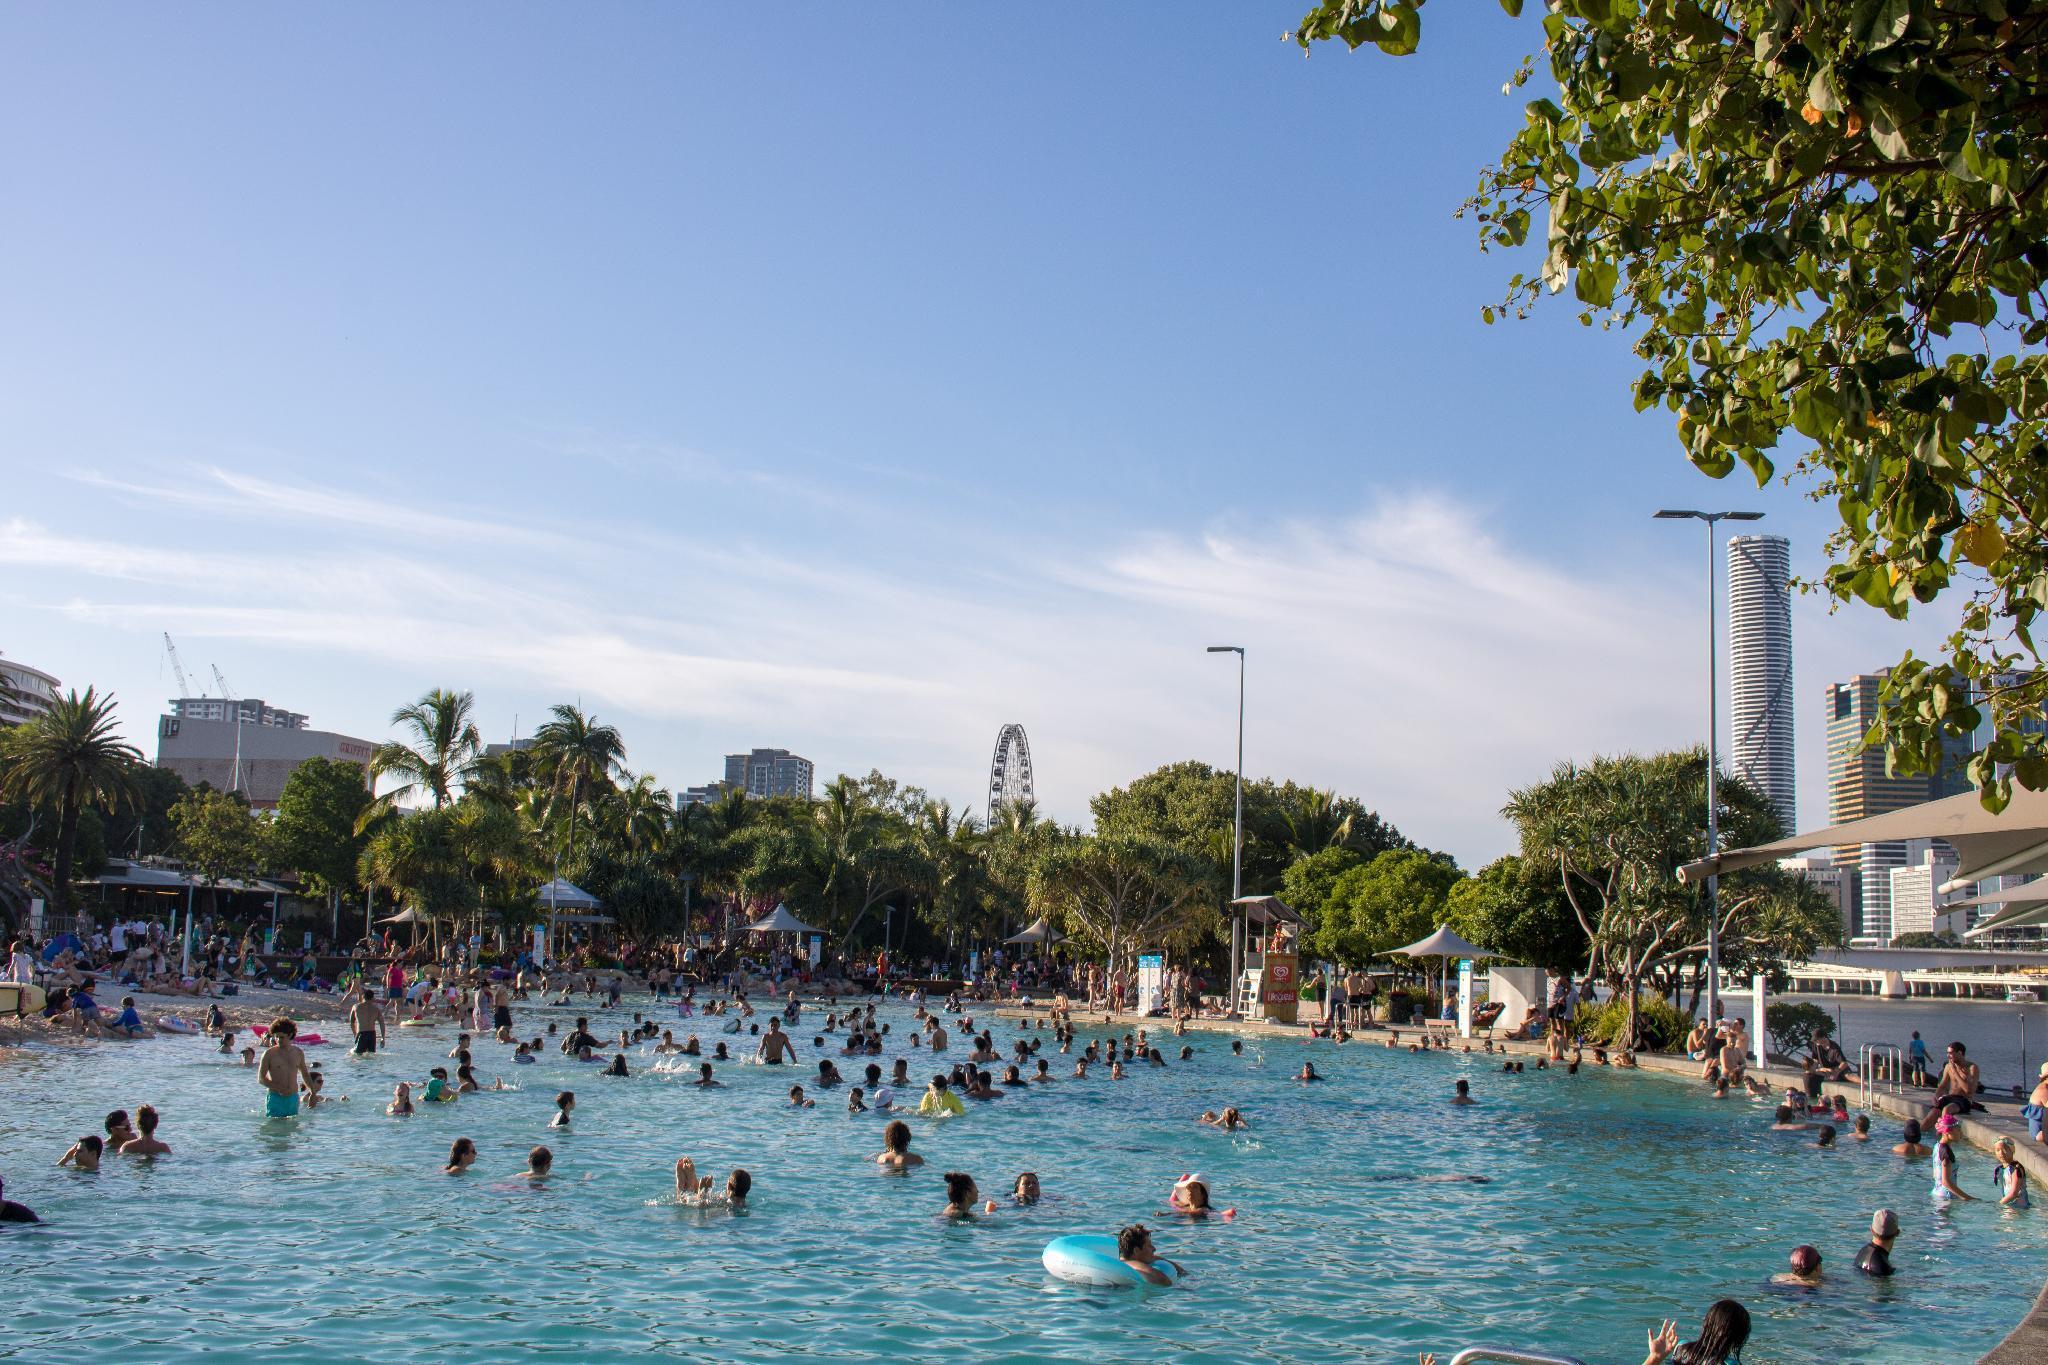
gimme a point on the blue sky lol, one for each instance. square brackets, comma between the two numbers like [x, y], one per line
[847, 379]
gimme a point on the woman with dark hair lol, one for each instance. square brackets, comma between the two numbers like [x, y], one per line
[1722, 1336]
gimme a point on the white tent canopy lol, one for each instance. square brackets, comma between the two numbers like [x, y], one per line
[2013, 841]
[1444, 943]
[563, 894]
[1039, 930]
[782, 922]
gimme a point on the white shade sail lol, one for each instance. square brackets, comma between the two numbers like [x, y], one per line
[563, 894]
[1444, 943]
[1039, 930]
[782, 922]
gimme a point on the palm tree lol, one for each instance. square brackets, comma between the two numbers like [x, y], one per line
[637, 814]
[444, 756]
[1317, 820]
[578, 757]
[949, 852]
[68, 757]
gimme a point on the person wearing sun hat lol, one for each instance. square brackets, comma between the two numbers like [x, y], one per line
[1876, 1256]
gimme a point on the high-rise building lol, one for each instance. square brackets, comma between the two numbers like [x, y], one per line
[769, 772]
[1916, 897]
[1836, 883]
[25, 693]
[1760, 668]
[1859, 786]
[246, 710]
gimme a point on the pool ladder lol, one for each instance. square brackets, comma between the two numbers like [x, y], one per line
[1477, 1353]
[1894, 1069]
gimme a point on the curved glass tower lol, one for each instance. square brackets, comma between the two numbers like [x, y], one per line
[1760, 652]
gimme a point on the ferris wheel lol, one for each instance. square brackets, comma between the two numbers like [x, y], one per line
[1009, 774]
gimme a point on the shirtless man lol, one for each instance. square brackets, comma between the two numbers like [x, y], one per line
[775, 1046]
[1734, 1056]
[145, 1142]
[936, 1038]
[282, 1070]
[1960, 1080]
[368, 1022]
[1134, 1248]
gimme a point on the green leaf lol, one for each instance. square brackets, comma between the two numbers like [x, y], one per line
[1880, 23]
[1596, 283]
[1513, 7]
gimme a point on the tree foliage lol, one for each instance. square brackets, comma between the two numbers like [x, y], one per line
[67, 759]
[216, 834]
[1518, 908]
[1396, 898]
[1825, 229]
[314, 832]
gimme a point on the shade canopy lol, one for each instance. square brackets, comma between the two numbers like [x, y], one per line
[2013, 841]
[1266, 910]
[563, 894]
[409, 915]
[1444, 943]
[2024, 904]
[1038, 931]
[782, 922]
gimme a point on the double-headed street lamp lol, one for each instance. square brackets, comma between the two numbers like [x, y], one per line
[1713, 757]
[1237, 838]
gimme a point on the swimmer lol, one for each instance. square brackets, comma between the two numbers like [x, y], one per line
[1081, 1069]
[854, 1102]
[1912, 1145]
[1191, 1197]
[963, 1196]
[565, 1104]
[438, 1091]
[1134, 1248]
[1307, 1073]
[797, 1100]
[1043, 1074]
[1237, 1047]
[704, 1080]
[462, 1156]
[316, 1092]
[84, 1154]
[1186, 1053]
[896, 1152]
[522, 1055]
[1464, 1093]
[939, 1100]
[248, 1056]
[1805, 1270]
[539, 1163]
[145, 1142]
[618, 1066]
[828, 1074]
[1116, 1070]
[401, 1101]
[1861, 1130]
[227, 1043]
[1026, 1190]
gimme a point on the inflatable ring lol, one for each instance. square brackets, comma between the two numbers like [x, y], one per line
[171, 1023]
[1091, 1259]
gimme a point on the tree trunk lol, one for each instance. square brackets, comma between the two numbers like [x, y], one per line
[67, 838]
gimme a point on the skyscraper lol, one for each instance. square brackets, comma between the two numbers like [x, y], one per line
[769, 772]
[1760, 649]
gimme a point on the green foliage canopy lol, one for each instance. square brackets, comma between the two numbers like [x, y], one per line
[1823, 226]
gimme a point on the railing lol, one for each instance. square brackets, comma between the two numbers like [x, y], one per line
[1894, 1069]
[1501, 1353]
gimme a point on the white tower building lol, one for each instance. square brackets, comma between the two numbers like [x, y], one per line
[1760, 647]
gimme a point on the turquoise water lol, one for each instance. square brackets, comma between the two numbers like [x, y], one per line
[1612, 1201]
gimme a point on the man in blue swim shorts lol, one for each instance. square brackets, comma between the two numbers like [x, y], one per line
[282, 1071]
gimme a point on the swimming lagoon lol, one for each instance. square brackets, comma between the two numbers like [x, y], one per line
[1559, 1212]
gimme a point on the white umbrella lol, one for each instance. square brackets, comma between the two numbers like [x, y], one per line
[1447, 944]
[782, 922]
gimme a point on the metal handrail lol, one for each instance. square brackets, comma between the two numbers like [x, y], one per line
[1895, 1069]
[1511, 1357]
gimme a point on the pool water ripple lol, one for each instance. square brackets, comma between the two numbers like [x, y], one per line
[1609, 1202]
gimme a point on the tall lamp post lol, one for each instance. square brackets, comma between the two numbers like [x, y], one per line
[1713, 757]
[1237, 838]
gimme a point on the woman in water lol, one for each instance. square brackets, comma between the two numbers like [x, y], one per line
[618, 1066]
[1191, 1197]
[1026, 1189]
[2010, 1178]
[962, 1195]
[461, 1157]
[896, 1153]
[565, 1104]
[401, 1101]
[1723, 1334]
[1307, 1073]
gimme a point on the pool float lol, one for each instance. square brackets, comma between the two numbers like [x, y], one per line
[171, 1023]
[302, 1039]
[1091, 1259]
[416, 1023]
[731, 1026]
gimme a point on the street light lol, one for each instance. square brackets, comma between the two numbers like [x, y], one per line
[1237, 837]
[1713, 761]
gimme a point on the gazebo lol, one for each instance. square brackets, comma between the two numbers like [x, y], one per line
[1445, 943]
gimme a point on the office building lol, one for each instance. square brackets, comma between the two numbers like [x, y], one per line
[769, 772]
[701, 796]
[25, 692]
[1835, 882]
[252, 758]
[1914, 895]
[249, 710]
[1760, 669]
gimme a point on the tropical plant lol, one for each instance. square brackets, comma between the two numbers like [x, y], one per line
[69, 756]
[1307, 885]
[217, 836]
[419, 858]
[578, 758]
[445, 754]
[1823, 225]
[1374, 908]
[1794, 1026]
[1650, 1023]
[314, 832]
[1517, 908]
[1123, 892]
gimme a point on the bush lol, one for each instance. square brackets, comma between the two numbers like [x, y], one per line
[1794, 1027]
[1660, 1025]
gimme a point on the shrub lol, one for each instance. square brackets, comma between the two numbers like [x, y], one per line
[1794, 1027]
[1660, 1025]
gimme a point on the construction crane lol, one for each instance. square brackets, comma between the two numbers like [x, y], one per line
[184, 687]
[223, 682]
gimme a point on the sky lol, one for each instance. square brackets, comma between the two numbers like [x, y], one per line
[852, 384]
